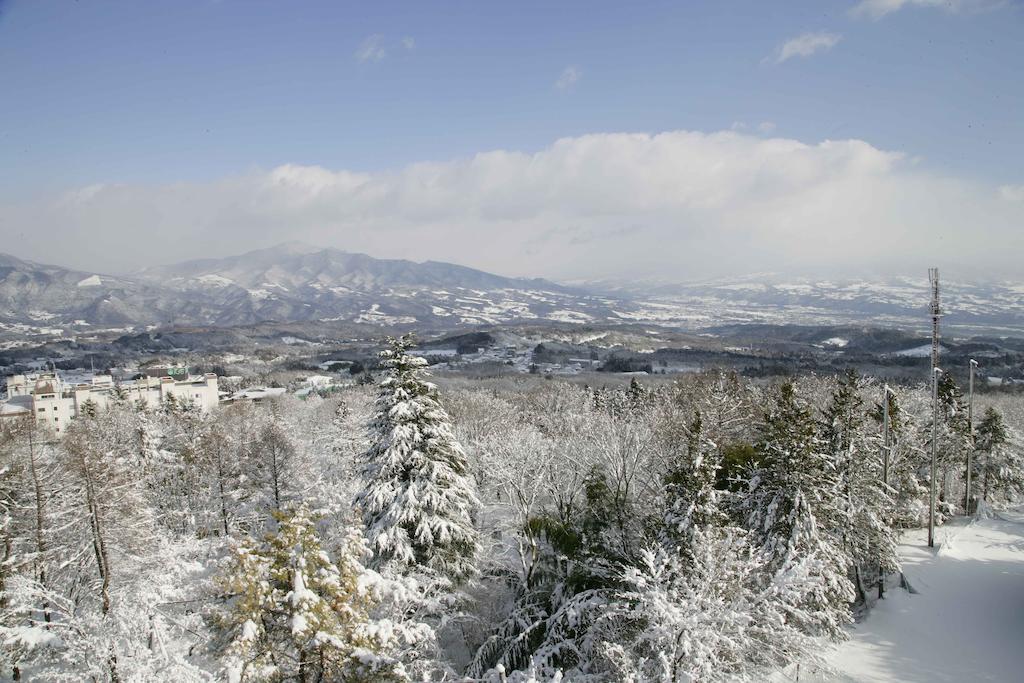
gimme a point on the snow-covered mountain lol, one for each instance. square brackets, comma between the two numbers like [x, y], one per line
[36, 294]
[295, 282]
[776, 298]
[290, 282]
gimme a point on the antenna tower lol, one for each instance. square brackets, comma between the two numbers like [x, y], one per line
[936, 311]
[933, 278]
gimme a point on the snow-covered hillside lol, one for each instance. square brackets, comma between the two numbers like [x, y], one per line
[965, 620]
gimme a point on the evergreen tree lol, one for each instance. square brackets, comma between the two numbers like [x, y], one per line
[691, 499]
[954, 442]
[294, 614]
[1000, 465]
[866, 504]
[89, 408]
[418, 499]
[907, 459]
[793, 500]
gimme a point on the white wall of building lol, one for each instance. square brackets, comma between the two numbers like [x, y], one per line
[55, 404]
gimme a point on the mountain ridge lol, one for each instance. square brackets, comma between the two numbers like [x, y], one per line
[295, 282]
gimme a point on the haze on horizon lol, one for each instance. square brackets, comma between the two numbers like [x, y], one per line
[583, 141]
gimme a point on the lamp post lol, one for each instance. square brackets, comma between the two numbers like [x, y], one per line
[935, 439]
[970, 429]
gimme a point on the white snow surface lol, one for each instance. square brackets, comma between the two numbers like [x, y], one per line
[215, 280]
[91, 281]
[964, 623]
[922, 351]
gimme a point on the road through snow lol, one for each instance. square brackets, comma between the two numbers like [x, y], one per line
[964, 623]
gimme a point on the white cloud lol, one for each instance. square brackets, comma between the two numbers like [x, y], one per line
[806, 45]
[409, 43]
[372, 49]
[569, 77]
[1012, 193]
[679, 204]
[876, 9]
[766, 127]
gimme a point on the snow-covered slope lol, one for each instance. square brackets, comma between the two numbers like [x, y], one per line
[297, 283]
[965, 622]
[31, 293]
[770, 297]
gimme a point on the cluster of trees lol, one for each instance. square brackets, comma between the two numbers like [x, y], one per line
[515, 530]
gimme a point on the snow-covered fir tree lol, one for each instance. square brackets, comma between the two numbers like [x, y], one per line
[691, 499]
[794, 508]
[418, 501]
[1000, 461]
[293, 613]
[866, 503]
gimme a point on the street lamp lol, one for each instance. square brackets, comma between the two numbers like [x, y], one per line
[935, 439]
[970, 428]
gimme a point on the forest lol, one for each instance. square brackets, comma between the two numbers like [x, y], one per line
[710, 528]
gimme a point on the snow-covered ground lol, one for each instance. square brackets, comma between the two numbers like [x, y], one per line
[965, 622]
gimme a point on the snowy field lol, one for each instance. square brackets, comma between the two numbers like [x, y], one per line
[965, 622]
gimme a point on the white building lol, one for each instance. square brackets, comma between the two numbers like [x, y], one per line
[55, 403]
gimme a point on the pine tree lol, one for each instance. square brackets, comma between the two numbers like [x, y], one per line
[954, 442]
[1000, 464]
[907, 459]
[691, 499]
[793, 502]
[294, 614]
[866, 504]
[418, 498]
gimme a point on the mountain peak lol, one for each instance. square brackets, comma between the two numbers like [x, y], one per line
[294, 248]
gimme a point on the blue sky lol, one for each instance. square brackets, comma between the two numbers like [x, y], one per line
[150, 94]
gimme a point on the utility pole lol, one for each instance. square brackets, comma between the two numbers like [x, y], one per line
[936, 311]
[885, 470]
[970, 427]
[935, 440]
[886, 436]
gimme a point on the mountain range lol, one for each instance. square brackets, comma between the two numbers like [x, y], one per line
[297, 283]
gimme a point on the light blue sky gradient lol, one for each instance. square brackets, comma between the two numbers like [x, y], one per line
[161, 92]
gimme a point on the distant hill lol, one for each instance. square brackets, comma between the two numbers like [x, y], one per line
[290, 282]
[297, 283]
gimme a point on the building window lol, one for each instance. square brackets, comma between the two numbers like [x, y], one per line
[55, 407]
[42, 410]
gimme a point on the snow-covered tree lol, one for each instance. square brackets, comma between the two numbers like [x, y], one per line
[866, 504]
[1000, 461]
[418, 501]
[793, 503]
[691, 500]
[293, 613]
[719, 615]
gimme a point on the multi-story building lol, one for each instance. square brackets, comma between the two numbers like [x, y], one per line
[55, 403]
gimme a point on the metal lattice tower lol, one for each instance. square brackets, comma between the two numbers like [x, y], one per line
[936, 311]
